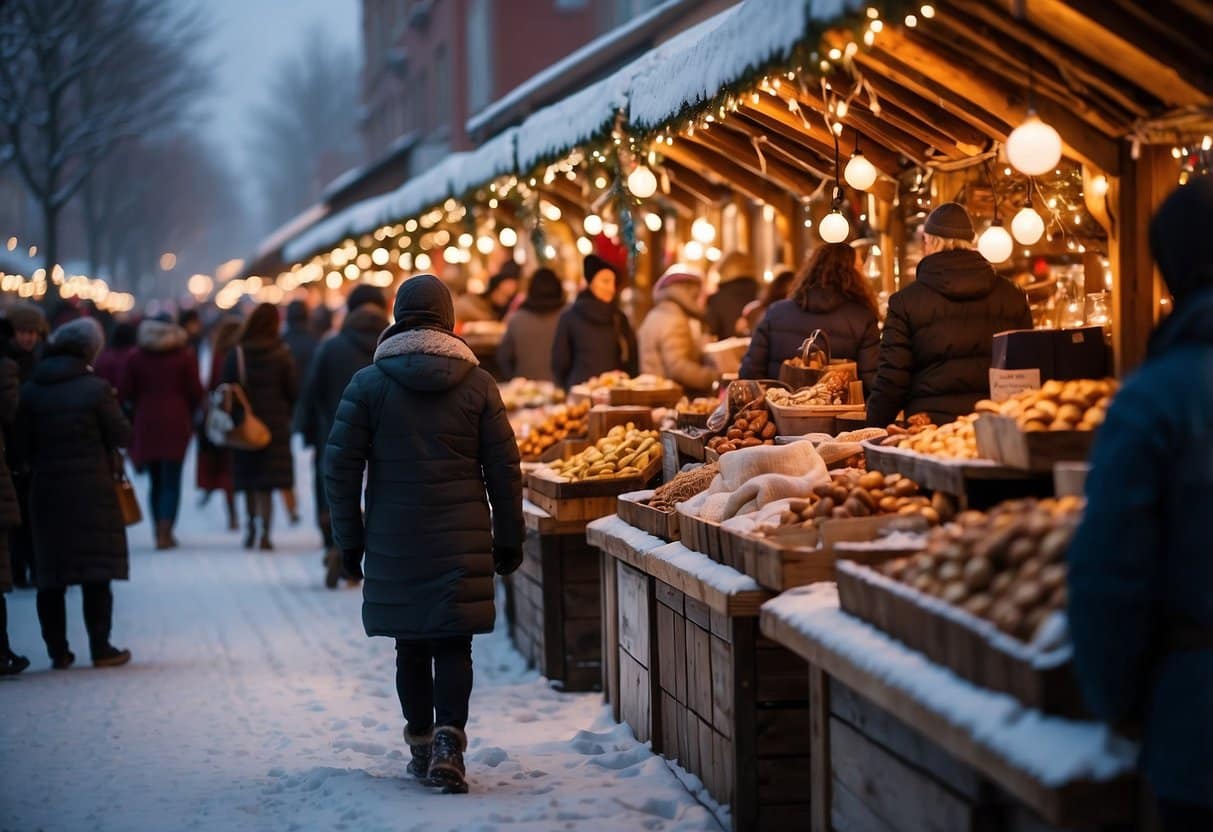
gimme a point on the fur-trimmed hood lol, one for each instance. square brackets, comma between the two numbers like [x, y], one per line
[160, 336]
[425, 359]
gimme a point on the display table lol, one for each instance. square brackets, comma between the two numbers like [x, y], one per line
[899, 743]
[553, 602]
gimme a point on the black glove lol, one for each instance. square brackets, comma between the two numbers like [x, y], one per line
[351, 560]
[506, 559]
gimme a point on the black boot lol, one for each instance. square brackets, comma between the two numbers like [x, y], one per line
[446, 763]
[421, 746]
[332, 569]
[11, 664]
[63, 661]
[250, 536]
[110, 656]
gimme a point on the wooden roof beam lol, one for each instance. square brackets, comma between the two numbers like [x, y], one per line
[777, 117]
[916, 126]
[742, 152]
[702, 159]
[795, 155]
[695, 183]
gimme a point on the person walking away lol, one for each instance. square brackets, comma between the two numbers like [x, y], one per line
[593, 336]
[261, 364]
[443, 512]
[778, 289]
[162, 392]
[10, 512]
[191, 322]
[738, 288]
[111, 364]
[830, 295]
[939, 332]
[301, 340]
[671, 335]
[24, 346]
[1140, 576]
[336, 362]
[214, 463]
[70, 428]
[526, 348]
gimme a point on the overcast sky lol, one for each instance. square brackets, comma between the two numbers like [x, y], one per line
[248, 38]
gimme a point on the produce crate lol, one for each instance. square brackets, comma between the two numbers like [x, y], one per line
[1000, 438]
[700, 535]
[633, 508]
[799, 556]
[564, 449]
[960, 477]
[820, 418]
[602, 418]
[665, 396]
[572, 501]
[972, 648]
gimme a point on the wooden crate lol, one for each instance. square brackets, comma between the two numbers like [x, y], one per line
[681, 447]
[633, 508]
[969, 646]
[1000, 438]
[700, 535]
[585, 501]
[665, 396]
[977, 482]
[603, 417]
[553, 608]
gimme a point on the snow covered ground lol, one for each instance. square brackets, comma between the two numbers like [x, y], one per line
[255, 702]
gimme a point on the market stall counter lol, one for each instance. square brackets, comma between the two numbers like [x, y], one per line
[901, 743]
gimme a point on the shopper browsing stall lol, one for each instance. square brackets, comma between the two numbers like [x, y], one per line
[526, 348]
[593, 335]
[939, 334]
[671, 336]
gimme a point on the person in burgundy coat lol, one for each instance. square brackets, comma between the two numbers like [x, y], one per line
[111, 364]
[162, 390]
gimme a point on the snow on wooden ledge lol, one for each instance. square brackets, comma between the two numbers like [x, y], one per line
[1053, 750]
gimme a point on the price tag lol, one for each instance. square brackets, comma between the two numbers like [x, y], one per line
[1006, 383]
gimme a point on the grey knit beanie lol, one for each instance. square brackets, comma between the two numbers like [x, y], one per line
[82, 337]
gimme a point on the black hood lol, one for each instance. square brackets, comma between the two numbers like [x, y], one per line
[961, 274]
[425, 359]
[823, 299]
[594, 310]
[364, 325]
[1180, 240]
[1190, 323]
[56, 368]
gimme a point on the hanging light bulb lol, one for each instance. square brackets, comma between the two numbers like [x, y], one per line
[584, 246]
[860, 173]
[592, 225]
[703, 231]
[642, 182]
[1027, 226]
[995, 244]
[484, 244]
[653, 222]
[834, 227]
[507, 236]
[1033, 147]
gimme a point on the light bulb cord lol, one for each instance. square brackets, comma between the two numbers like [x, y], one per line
[837, 201]
[993, 189]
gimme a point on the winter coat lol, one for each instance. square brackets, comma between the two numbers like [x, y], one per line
[526, 348]
[111, 364]
[70, 425]
[162, 390]
[340, 356]
[430, 428]
[10, 510]
[1141, 567]
[592, 338]
[214, 463]
[726, 306]
[272, 386]
[852, 328]
[670, 340]
[939, 337]
[302, 345]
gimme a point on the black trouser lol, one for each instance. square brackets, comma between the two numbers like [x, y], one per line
[98, 616]
[165, 476]
[1179, 817]
[434, 682]
[21, 539]
[323, 520]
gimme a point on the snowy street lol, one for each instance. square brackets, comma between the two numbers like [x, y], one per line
[254, 701]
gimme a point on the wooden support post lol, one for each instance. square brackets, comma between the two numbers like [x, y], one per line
[819, 752]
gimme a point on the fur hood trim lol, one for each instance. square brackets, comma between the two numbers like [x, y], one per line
[161, 336]
[426, 342]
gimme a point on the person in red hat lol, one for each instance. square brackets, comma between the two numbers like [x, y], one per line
[670, 338]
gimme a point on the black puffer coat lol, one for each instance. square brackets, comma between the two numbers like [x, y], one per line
[10, 510]
[272, 386]
[69, 424]
[852, 328]
[431, 428]
[938, 338]
[592, 337]
[299, 338]
[336, 361]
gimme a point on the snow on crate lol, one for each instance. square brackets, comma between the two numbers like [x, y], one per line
[724, 579]
[747, 36]
[631, 536]
[1054, 750]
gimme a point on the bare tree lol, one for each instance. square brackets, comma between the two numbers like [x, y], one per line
[305, 133]
[79, 77]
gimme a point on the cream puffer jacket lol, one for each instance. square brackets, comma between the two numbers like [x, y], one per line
[670, 340]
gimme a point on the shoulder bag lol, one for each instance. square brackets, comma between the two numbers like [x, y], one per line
[250, 433]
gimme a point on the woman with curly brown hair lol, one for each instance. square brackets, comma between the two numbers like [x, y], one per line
[830, 295]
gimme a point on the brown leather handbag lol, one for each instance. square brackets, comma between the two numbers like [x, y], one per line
[128, 503]
[250, 433]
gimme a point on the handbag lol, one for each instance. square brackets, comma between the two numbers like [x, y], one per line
[250, 433]
[128, 503]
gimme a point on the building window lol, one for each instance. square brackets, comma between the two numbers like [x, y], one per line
[480, 55]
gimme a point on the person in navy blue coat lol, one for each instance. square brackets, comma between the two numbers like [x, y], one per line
[1141, 564]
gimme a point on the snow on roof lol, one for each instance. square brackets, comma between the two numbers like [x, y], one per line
[357, 219]
[484, 164]
[402, 144]
[1054, 750]
[758, 32]
[546, 76]
[557, 129]
[290, 228]
[424, 191]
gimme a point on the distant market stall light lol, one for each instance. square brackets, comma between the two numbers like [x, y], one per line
[168, 261]
[703, 231]
[508, 237]
[592, 224]
[653, 222]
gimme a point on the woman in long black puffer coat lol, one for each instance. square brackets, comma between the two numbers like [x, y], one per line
[10, 512]
[261, 363]
[69, 429]
[429, 427]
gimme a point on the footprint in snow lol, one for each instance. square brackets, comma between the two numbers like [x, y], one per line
[491, 757]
